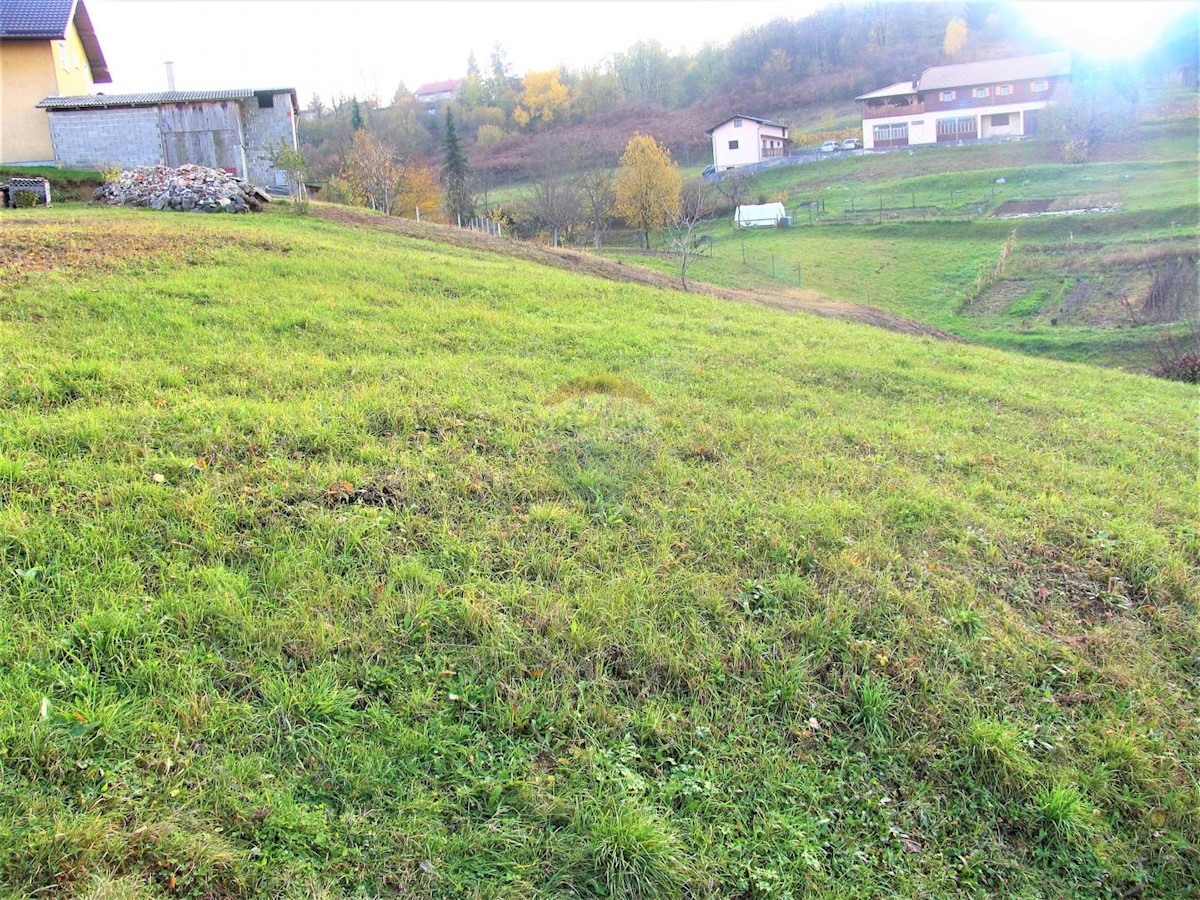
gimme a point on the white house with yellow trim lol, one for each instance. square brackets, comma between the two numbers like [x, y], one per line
[47, 47]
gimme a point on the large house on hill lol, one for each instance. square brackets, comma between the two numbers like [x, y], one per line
[46, 47]
[964, 102]
[742, 140]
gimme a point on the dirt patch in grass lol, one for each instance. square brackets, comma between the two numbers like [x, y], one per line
[30, 246]
[1102, 200]
[996, 299]
[591, 264]
[386, 491]
[610, 385]
[1086, 588]
[1020, 208]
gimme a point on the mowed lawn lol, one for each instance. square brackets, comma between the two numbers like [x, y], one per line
[342, 564]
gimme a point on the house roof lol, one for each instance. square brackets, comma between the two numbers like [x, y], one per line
[49, 20]
[892, 90]
[437, 87]
[1016, 68]
[987, 71]
[748, 118]
[160, 98]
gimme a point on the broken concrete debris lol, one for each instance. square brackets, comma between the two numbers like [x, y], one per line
[188, 188]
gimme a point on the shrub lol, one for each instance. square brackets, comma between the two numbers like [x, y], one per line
[1184, 368]
[25, 200]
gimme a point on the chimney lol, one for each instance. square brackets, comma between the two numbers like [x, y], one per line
[170, 75]
[915, 80]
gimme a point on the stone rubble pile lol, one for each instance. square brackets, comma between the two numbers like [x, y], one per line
[188, 188]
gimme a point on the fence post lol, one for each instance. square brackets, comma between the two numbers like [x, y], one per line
[459, 219]
[418, 212]
[743, 251]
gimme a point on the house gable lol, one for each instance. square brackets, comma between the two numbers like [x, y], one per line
[54, 20]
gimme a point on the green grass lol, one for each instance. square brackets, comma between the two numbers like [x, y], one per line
[337, 563]
[922, 254]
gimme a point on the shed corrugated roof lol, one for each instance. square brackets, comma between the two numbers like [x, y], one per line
[48, 20]
[160, 98]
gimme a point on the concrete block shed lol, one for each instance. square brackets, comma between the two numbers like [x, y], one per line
[234, 130]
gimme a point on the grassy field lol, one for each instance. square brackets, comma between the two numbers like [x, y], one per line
[1073, 287]
[1066, 282]
[342, 563]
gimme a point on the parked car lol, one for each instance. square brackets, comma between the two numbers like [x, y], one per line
[851, 144]
[829, 147]
[708, 170]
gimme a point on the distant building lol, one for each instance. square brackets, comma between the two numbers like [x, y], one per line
[742, 140]
[437, 92]
[46, 47]
[964, 102]
[232, 130]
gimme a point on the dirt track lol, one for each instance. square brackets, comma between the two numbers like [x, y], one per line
[591, 264]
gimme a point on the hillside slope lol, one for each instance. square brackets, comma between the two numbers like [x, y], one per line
[338, 562]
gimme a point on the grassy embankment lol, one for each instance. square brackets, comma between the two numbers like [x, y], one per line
[340, 562]
[65, 184]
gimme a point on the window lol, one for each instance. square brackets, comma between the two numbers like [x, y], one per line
[1004, 90]
[737, 123]
[897, 131]
[999, 119]
[964, 126]
[947, 96]
[1039, 86]
[979, 93]
[733, 145]
[266, 101]
[62, 54]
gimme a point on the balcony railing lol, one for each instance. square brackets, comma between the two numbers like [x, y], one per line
[881, 112]
[773, 152]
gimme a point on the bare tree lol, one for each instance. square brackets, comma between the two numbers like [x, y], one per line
[555, 199]
[734, 187]
[696, 209]
[597, 189]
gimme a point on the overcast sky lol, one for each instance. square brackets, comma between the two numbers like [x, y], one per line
[356, 48]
